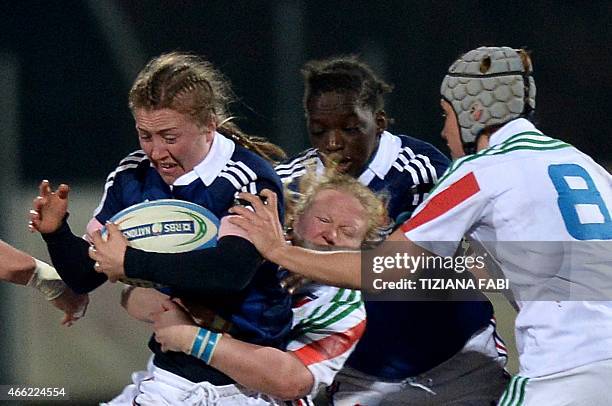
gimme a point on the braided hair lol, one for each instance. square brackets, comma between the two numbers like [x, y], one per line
[189, 84]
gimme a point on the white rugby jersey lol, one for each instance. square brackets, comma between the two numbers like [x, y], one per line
[518, 199]
[327, 324]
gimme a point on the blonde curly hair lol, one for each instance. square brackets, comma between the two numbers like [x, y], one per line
[311, 184]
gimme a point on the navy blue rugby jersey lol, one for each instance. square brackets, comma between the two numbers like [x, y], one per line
[403, 169]
[261, 314]
[403, 339]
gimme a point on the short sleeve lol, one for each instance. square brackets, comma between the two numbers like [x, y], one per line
[326, 334]
[440, 222]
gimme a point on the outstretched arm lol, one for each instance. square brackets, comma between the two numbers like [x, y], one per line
[339, 268]
[15, 266]
[248, 364]
[265, 231]
[18, 267]
[68, 252]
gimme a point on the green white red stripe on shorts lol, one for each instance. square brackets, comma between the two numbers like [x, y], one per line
[514, 395]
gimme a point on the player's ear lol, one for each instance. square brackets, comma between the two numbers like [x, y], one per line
[209, 128]
[381, 121]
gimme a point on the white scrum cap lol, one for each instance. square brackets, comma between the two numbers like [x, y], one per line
[488, 86]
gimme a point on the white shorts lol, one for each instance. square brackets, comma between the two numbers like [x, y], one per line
[586, 385]
[474, 376]
[158, 387]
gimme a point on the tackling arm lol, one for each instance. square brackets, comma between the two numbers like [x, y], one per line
[15, 266]
[341, 268]
[248, 364]
[18, 267]
[141, 303]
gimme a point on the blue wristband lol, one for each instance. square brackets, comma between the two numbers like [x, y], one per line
[210, 347]
[198, 342]
[204, 344]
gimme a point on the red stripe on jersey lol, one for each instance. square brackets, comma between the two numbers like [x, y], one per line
[330, 346]
[451, 197]
[301, 302]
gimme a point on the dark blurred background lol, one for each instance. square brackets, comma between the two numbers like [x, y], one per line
[77, 59]
[66, 67]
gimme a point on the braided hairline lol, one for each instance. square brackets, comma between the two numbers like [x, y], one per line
[173, 80]
[345, 74]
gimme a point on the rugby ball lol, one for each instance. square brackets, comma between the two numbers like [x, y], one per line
[167, 226]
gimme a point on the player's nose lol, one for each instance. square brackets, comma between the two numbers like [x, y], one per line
[334, 141]
[330, 236]
[158, 151]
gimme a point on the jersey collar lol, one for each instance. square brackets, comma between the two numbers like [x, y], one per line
[219, 155]
[388, 149]
[512, 128]
[387, 152]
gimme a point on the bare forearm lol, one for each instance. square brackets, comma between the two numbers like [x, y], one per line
[340, 268]
[15, 266]
[140, 303]
[264, 369]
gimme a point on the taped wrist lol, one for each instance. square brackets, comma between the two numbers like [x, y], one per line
[46, 280]
[204, 344]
